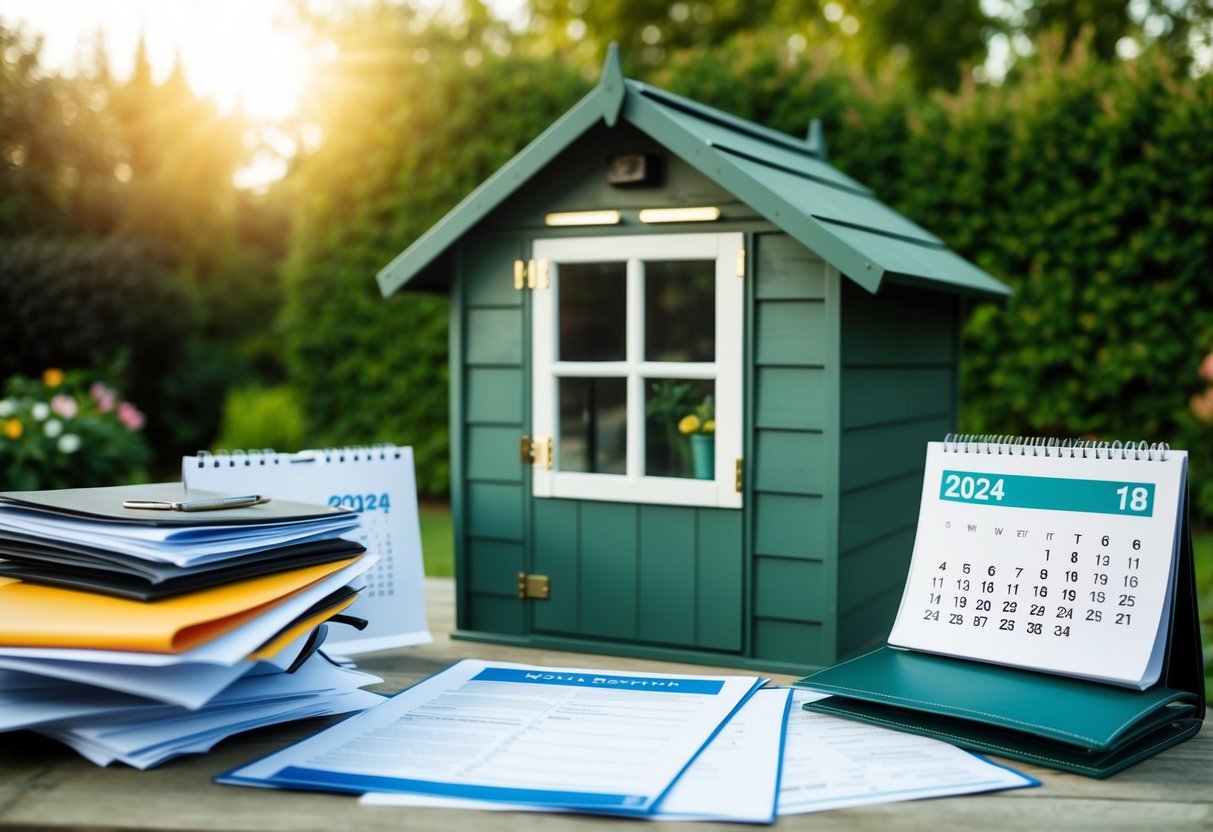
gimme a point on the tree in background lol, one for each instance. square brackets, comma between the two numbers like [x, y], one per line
[414, 117]
[147, 169]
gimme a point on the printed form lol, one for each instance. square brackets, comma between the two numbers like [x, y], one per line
[736, 778]
[832, 763]
[573, 738]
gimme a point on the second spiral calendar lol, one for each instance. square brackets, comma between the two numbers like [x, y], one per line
[1059, 559]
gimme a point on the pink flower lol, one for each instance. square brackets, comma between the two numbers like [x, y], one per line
[65, 406]
[103, 396]
[1202, 406]
[1206, 368]
[130, 416]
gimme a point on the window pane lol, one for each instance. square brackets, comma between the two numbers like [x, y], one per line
[680, 310]
[673, 440]
[593, 425]
[593, 312]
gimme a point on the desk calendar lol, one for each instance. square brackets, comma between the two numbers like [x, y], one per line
[1049, 610]
[1061, 562]
[378, 482]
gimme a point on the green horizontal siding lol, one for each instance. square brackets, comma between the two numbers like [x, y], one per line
[790, 462]
[791, 398]
[791, 469]
[791, 641]
[882, 395]
[795, 590]
[493, 614]
[886, 452]
[791, 333]
[786, 270]
[871, 513]
[899, 326]
[900, 354]
[493, 395]
[494, 566]
[790, 526]
[874, 568]
[493, 453]
[494, 336]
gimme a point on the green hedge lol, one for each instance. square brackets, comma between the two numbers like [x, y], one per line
[405, 149]
[110, 305]
[1086, 186]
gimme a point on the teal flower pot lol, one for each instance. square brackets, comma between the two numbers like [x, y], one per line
[703, 455]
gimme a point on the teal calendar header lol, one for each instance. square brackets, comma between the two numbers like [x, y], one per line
[1135, 499]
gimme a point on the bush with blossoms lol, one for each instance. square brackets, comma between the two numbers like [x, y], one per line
[68, 430]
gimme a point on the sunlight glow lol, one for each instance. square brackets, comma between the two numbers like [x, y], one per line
[263, 72]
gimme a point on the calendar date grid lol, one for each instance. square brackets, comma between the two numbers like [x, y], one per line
[1049, 583]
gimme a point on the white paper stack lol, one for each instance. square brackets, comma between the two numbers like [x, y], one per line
[141, 636]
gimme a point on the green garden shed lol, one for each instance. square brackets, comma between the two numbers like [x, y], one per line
[644, 260]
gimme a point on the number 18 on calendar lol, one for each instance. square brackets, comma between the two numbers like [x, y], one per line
[1061, 561]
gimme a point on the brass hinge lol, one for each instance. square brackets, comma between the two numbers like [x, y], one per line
[535, 451]
[532, 274]
[741, 262]
[537, 587]
[738, 473]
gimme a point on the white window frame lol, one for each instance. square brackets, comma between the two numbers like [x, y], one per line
[725, 371]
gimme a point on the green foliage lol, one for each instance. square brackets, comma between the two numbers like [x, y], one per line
[259, 418]
[1086, 186]
[413, 130]
[90, 165]
[437, 540]
[57, 159]
[96, 305]
[68, 430]
[1202, 554]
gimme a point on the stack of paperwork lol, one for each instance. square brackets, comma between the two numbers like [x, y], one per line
[138, 634]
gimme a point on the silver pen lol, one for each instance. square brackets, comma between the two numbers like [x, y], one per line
[211, 504]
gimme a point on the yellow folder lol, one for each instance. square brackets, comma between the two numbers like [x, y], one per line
[46, 616]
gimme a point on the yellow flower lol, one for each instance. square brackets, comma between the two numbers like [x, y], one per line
[709, 426]
[52, 377]
[13, 428]
[688, 424]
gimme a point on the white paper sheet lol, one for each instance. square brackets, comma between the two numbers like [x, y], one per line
[143, 736]
[831, 763]
[573, 738]
[735, 778]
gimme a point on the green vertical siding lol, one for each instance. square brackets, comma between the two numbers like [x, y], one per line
[793, 365]
[609, 562]
[555, 554]
[719, 580]
[668, 578]
[658, 575]
[489, 373]
[898, 391]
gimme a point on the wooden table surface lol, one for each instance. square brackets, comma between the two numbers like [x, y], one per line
[44, 785]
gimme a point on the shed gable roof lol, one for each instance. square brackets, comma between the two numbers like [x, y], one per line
[779, 176]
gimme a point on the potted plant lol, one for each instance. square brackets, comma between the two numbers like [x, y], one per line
[700, 426]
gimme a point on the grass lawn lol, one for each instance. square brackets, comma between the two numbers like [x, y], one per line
[439, 554]
[437, 545]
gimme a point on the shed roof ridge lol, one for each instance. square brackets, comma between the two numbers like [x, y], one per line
[720, 117]
[858, 190]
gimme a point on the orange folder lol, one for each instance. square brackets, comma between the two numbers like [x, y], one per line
[46, 616]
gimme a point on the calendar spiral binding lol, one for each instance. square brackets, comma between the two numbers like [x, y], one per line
[985, 443]
[268, 456]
